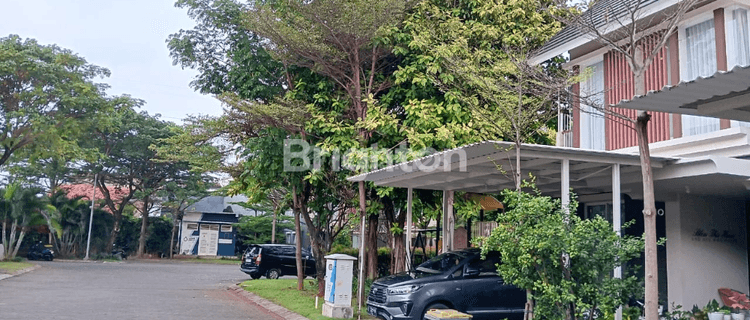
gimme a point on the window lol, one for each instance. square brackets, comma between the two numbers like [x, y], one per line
[699, 61]
[487, 267]
[602, 210]
[592, 118]
[226, 228]
[192, 226]
[738, 39]
[700, 50]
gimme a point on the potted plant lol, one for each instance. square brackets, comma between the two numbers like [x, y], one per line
[737, 312]
[726, 312]
[712, 309]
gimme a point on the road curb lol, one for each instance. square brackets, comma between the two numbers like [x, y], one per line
[19, 272]
[270, 307]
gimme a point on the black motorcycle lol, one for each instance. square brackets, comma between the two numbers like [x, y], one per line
[120, 253]
[41, 251]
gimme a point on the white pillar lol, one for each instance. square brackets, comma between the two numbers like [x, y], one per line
[451, 222]
[448, 222]
[408, 227]
[616, 219]
[565, 183]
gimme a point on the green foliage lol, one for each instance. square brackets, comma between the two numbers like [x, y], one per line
[159, 231]
[48, 100]
[257, 229]
[535, 235]
[228, 56]
[72, 216]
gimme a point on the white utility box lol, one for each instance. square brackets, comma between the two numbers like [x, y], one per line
[338, 294]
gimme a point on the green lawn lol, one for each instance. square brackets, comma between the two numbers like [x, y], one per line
[10, 266]
[215, 261]
[284, 293]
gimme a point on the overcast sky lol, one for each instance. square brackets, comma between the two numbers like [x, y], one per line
[125, 36]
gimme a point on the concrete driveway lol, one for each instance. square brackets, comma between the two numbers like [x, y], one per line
[126, 290]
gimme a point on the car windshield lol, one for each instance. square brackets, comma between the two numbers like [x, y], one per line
[441, 263]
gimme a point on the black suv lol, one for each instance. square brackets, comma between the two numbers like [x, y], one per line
[458, 280]
[275, 260]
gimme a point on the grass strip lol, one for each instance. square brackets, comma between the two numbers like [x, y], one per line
[213, 261]
[9, 267]
[284, 293]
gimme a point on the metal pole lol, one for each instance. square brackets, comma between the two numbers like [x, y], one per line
[408, 228]
[91, 217]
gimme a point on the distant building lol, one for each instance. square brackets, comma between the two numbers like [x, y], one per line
[206, 227]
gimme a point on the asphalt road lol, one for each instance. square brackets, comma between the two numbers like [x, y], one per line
[126, 290]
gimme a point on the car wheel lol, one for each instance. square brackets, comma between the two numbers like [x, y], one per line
[255, 276]
[433, 306]
[273, 274]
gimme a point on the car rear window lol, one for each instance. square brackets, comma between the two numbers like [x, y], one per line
[441, 263]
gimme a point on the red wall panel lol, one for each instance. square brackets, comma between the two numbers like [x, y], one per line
[619, 85]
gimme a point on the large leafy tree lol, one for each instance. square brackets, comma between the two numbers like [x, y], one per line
[130, 166]
[47, 99]
[340, 40]
[229, 57]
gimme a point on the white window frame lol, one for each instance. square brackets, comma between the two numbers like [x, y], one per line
[192, 226]
[699, 18]
[584, 117]
[608, 207]
[729, 33]
[689, 22]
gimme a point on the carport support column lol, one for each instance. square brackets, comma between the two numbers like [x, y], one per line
[565, 184]
[409, 200]
[448, 222]
[616, 219]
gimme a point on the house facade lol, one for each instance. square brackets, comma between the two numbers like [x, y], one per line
[703, 217]
[206, 227]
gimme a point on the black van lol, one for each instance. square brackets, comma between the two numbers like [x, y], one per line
[274, 261]
[459, 280]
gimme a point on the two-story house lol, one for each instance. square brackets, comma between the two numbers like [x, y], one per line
[700, 146]
[696, 107]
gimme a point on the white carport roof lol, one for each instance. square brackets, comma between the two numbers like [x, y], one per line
[725, 94]
[474, 168]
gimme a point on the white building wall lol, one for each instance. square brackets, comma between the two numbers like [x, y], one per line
[187, 239]
[701, 262]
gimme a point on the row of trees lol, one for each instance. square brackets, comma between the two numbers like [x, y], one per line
[350, 75]
[358, 76]
[61, 128]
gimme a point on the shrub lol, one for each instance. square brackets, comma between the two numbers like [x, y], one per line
[565, 261]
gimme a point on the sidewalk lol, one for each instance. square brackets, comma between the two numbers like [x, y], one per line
[268, 306]
[19, 272]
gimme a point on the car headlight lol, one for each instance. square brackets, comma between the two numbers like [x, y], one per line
[404, 289]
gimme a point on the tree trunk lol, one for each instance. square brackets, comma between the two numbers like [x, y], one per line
[18, 244]
[398, 260]
[649, 220]
[116, 225]
[298, 251]
[12, 239]
[372, 246]
[273, 225]
[175, 218]
[144, 229]
[298, 239]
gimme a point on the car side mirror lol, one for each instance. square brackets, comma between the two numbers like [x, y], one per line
[471, 271]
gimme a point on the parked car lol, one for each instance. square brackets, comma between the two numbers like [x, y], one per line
[459, 280]
[275, 260]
